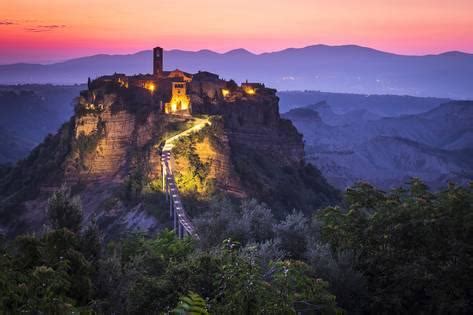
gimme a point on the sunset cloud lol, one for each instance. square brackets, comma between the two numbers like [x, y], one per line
[44, 28]
[6, 22]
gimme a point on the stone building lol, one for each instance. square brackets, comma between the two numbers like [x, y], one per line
[180, 101]
[175, 91]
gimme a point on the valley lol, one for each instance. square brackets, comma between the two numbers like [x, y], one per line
[434, 145]
[28, 113]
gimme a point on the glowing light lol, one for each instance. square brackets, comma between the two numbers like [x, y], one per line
[123, 83]
[150, 86]
[180, 101]
[225, 92]
[249, 90]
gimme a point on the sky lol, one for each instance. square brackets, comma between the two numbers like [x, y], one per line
[47, 31]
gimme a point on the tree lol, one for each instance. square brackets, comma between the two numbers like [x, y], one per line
[296, 290]
[257, 220]
[64, 211]
[241, 288]
[292, 234]
[90, 242]
[191, 304]
[412, 246]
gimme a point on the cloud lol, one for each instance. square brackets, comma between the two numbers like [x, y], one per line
[44, 28]
[6, 22]
[53, 26]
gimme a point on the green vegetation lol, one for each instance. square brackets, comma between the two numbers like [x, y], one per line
[87, 144]
[191, 304]
[283, 187]
[413, 247]
[196, 179]
[175, 127]
[133, 186]
[52, 273]
[64, 211]
[44, 165]
[198, 170]
[406, 251]
[196, 186]
[154, 200]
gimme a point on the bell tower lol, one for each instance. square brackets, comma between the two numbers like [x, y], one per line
[157, 61]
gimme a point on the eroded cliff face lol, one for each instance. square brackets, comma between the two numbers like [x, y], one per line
[109, 143]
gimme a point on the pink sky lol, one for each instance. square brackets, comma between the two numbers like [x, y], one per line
[52, 30]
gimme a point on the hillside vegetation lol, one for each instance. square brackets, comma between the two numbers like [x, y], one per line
[406, 251]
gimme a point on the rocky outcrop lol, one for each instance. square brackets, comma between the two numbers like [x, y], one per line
[110, 148]
[253, 121]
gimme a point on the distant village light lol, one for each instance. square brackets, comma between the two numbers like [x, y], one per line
[225, 92]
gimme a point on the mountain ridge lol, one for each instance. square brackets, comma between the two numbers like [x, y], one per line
[316, 67]
[434, 145]
[241, 49]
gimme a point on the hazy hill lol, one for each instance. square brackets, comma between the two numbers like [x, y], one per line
[436, 146]
[381, 105]
[28, 113]
[349, 68]
[13, 147]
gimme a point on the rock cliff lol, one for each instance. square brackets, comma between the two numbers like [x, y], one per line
[108, 153]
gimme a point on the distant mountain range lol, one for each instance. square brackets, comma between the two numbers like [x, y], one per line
[436, 145]
[350, 68]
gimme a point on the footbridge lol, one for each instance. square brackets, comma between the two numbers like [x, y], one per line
[181, 222]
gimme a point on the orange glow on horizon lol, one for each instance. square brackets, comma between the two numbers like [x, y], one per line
[55, 30]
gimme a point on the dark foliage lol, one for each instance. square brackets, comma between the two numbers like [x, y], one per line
[412, 246]
[283, 187]
[43, 166]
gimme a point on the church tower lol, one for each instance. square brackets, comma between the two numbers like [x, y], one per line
[157, 61]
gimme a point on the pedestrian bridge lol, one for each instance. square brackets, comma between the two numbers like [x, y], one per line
[181, 222]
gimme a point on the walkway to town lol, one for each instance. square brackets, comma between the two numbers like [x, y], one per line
[181, 221]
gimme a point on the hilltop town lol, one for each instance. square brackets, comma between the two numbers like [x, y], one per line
[116, 153]
[176, 92]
